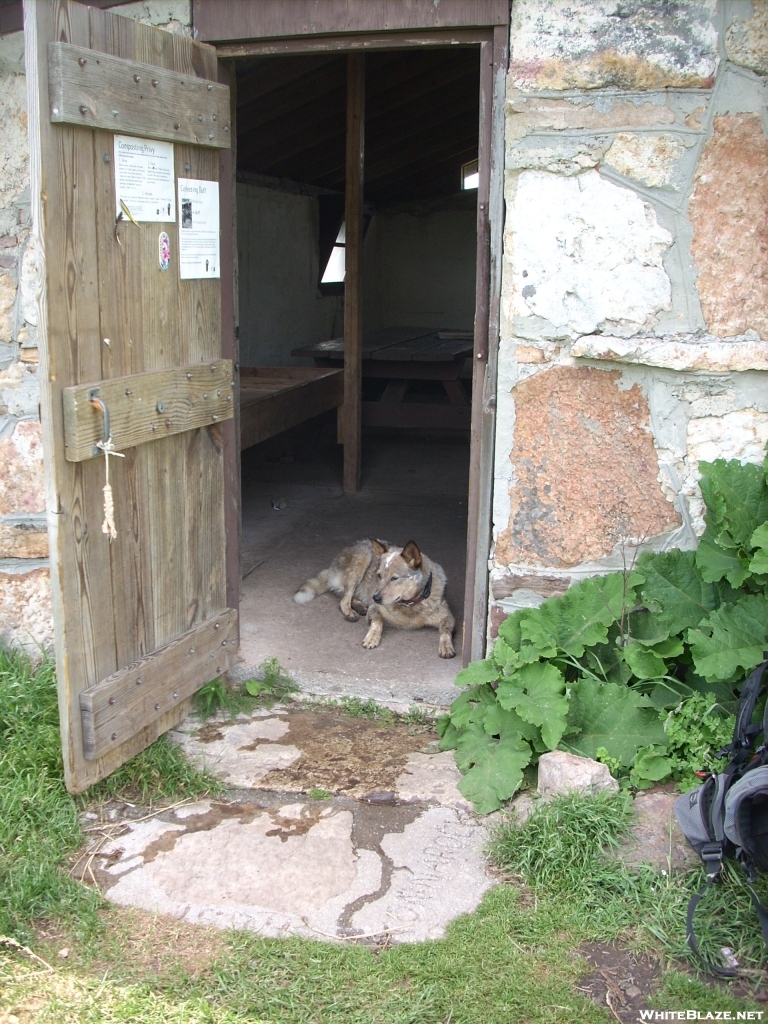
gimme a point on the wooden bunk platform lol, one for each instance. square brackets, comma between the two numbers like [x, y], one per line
[274, 398]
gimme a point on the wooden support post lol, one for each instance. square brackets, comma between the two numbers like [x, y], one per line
[353, 291]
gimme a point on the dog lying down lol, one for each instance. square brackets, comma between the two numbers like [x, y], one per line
[386, 583]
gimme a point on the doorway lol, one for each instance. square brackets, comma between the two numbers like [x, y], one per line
[418, 304]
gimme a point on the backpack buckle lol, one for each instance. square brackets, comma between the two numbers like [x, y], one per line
[712, 855]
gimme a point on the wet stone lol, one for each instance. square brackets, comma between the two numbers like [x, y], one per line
[393, 858]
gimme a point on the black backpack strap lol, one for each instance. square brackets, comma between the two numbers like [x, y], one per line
[744, 732]
[712, 855]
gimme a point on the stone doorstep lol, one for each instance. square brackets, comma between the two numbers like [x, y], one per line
[393, 855]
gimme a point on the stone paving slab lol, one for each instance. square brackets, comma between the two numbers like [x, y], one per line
[394, 854]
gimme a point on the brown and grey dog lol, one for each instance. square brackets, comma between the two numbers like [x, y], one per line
[387, 583]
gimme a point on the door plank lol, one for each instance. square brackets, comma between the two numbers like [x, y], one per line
[353, 284]
[117, 602]
[131, 98]
[120, 256]
[146, 406]
[117, 707]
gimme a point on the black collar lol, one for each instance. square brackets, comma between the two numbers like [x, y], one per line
[424, 594]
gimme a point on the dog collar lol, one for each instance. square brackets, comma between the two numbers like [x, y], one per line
[424, 594]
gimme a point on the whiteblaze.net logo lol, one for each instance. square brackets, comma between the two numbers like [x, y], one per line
[701, 1015]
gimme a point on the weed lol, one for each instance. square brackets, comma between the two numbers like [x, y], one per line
[356, 707]
[274, 685]
[319, 794]
[212, 697]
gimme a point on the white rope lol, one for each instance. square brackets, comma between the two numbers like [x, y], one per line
[108, 526]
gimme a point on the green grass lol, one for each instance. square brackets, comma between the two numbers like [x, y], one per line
[513, 960]
[39, 825]
[562, 853]
[38, 819]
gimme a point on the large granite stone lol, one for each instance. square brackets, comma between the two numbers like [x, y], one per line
[730, 228]
[585, 470]
[591, 44]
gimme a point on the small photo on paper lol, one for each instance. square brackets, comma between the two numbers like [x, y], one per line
[186, 213]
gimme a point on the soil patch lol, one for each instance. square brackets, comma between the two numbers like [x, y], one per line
[358, 757]
[622, 980]
[136, 945]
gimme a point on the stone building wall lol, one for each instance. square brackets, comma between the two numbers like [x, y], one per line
[635, 280]
[25, 597]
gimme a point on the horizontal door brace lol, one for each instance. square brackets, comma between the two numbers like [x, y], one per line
[145, 406]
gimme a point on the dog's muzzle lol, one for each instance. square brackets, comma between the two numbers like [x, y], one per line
[377, 598]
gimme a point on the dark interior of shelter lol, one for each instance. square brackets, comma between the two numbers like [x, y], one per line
[418, 301]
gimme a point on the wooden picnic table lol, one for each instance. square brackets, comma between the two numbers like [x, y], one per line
[401, 355]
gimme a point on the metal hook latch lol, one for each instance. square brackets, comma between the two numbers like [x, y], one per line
[99, 403]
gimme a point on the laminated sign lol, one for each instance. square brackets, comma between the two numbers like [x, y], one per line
[198, 228]
[144, 179]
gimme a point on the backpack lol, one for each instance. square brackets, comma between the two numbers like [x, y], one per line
[727, 816]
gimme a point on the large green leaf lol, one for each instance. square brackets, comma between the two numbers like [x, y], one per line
[476, 673]
[611, 716]
[498, 777]
[505, 724]
[644, 662]
[577, 619]
[473, 746]
[732, 639]
[759, 540]
[675, 589]
[736, 497]
[470, 705]
[718, 563]
[537, 694]
[645, 627]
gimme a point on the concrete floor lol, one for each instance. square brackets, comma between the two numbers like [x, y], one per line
[335, 828]
[296, 520]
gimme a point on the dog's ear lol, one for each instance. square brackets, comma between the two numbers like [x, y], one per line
[379, 548]
[412, 555]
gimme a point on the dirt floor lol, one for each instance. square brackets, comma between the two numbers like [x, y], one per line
[296, 520]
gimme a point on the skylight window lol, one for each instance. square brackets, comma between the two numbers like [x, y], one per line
[470, 175]
[335, 268]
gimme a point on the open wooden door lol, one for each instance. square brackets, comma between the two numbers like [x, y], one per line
[129, 329]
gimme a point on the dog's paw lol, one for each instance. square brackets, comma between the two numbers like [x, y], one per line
[359, 607]
[445, 649]
[370, 642]
[350, 616]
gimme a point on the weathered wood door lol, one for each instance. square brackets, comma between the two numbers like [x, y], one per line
[141, 619]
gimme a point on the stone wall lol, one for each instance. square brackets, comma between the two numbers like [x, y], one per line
[25, 597]
[635, 280]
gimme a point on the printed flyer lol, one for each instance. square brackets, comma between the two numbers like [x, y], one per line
[198, 229]
[144, 179]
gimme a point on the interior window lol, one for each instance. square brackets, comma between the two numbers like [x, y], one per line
[335, 267]
[470, 176]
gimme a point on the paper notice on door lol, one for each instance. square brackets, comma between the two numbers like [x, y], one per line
[144, 179]
[198, 228]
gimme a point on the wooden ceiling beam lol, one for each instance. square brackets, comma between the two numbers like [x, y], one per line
[421, 81]
[316, 84]
[269, 75]
[431, 159]
[320, 118]
[422, 147]
[428, 181]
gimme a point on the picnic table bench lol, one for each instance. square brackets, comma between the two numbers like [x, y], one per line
[401, 355]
